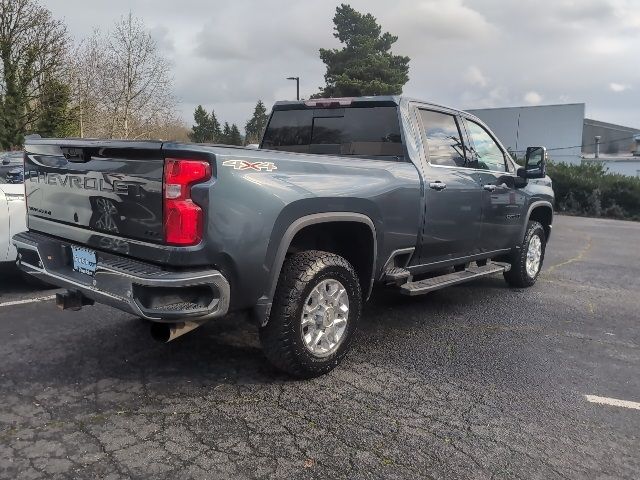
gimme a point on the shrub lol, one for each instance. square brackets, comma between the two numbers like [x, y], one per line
[588, 189]
[614, 211]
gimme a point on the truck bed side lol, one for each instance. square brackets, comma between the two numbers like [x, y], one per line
[108, 196]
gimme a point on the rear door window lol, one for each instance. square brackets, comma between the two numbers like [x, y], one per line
[444, 140]
[366, 132]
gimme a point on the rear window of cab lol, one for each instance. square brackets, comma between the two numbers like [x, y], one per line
[366, 132]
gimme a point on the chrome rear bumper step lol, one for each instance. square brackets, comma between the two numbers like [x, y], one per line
[142, 289]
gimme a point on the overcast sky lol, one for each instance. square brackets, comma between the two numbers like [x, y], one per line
[464, 53]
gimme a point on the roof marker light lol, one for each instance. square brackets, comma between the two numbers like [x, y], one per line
[329, 102]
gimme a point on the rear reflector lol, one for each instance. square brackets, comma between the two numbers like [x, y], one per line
[183, 219]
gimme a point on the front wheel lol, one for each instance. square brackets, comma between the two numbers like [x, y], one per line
[527, 261]
[314, 316]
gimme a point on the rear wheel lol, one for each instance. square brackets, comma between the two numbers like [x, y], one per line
[315, 313]
[527, 261]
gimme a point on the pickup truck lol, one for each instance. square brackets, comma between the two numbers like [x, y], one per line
[341, 195]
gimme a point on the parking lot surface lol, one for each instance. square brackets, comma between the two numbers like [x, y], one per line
[475, 381]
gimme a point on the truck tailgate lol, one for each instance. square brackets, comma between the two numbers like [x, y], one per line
[112, 187]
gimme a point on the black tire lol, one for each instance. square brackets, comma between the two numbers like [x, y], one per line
[518, 275]
[282, 337]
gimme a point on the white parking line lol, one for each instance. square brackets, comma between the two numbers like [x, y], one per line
[27, 300]
[612, 401]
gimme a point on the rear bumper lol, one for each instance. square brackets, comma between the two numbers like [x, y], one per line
[142, 289]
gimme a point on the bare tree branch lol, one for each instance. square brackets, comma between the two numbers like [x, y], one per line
[125, 89]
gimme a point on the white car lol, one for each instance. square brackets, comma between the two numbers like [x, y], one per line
[13, 216]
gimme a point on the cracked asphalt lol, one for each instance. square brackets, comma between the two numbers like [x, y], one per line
[475, 381]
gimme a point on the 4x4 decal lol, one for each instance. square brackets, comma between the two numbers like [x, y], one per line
[245, 165]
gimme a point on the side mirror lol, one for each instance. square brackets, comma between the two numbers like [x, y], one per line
[535, 163]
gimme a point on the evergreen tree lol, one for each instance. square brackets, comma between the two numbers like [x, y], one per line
[200, 131]
[255, 127]
[32, 46]
[365, 65]
[214, 127]
[225, 138]
[57, 119]
[234, 135]
[3, 134]
[206, 128]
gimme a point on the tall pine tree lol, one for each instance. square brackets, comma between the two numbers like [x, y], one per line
[365, 65]
[225, 138]
[206, 128]
[234, 135]
[254, 128]
[214, 127]
[57, 118]
[200, 129]
[32, 47]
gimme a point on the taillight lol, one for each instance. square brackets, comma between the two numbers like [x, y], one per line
[183, 219]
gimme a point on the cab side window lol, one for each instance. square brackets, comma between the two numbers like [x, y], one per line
[444, 141]
[488, 155]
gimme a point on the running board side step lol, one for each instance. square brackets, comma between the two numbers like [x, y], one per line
[436, 283]
[397, 275]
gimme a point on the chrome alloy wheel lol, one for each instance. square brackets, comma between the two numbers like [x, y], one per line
[534, 255]
[325, 314]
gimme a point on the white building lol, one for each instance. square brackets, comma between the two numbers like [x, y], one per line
[567, 134]
[557, 127]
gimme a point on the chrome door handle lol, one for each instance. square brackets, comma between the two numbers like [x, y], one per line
[438, 185]
[489, 188]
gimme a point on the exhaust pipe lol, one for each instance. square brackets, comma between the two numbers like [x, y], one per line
[166, 332]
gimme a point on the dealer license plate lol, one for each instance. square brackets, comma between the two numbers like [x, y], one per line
[84, 260]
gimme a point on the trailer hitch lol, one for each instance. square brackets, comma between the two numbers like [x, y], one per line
[72, 300]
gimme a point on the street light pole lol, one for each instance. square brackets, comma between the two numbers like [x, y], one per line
[297, 79]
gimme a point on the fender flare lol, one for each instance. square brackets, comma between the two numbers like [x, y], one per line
[534, 205]
[263, 306]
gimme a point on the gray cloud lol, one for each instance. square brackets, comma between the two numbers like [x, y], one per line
[463, 53]
[163, 38]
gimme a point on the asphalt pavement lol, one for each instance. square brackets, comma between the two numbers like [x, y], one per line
[475, 381]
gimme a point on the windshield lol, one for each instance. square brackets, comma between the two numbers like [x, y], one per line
[366, 132]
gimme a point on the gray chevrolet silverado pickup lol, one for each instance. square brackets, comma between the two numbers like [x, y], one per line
[341, 195]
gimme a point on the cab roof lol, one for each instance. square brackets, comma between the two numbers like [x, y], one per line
[338, 102]
[369, 101]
